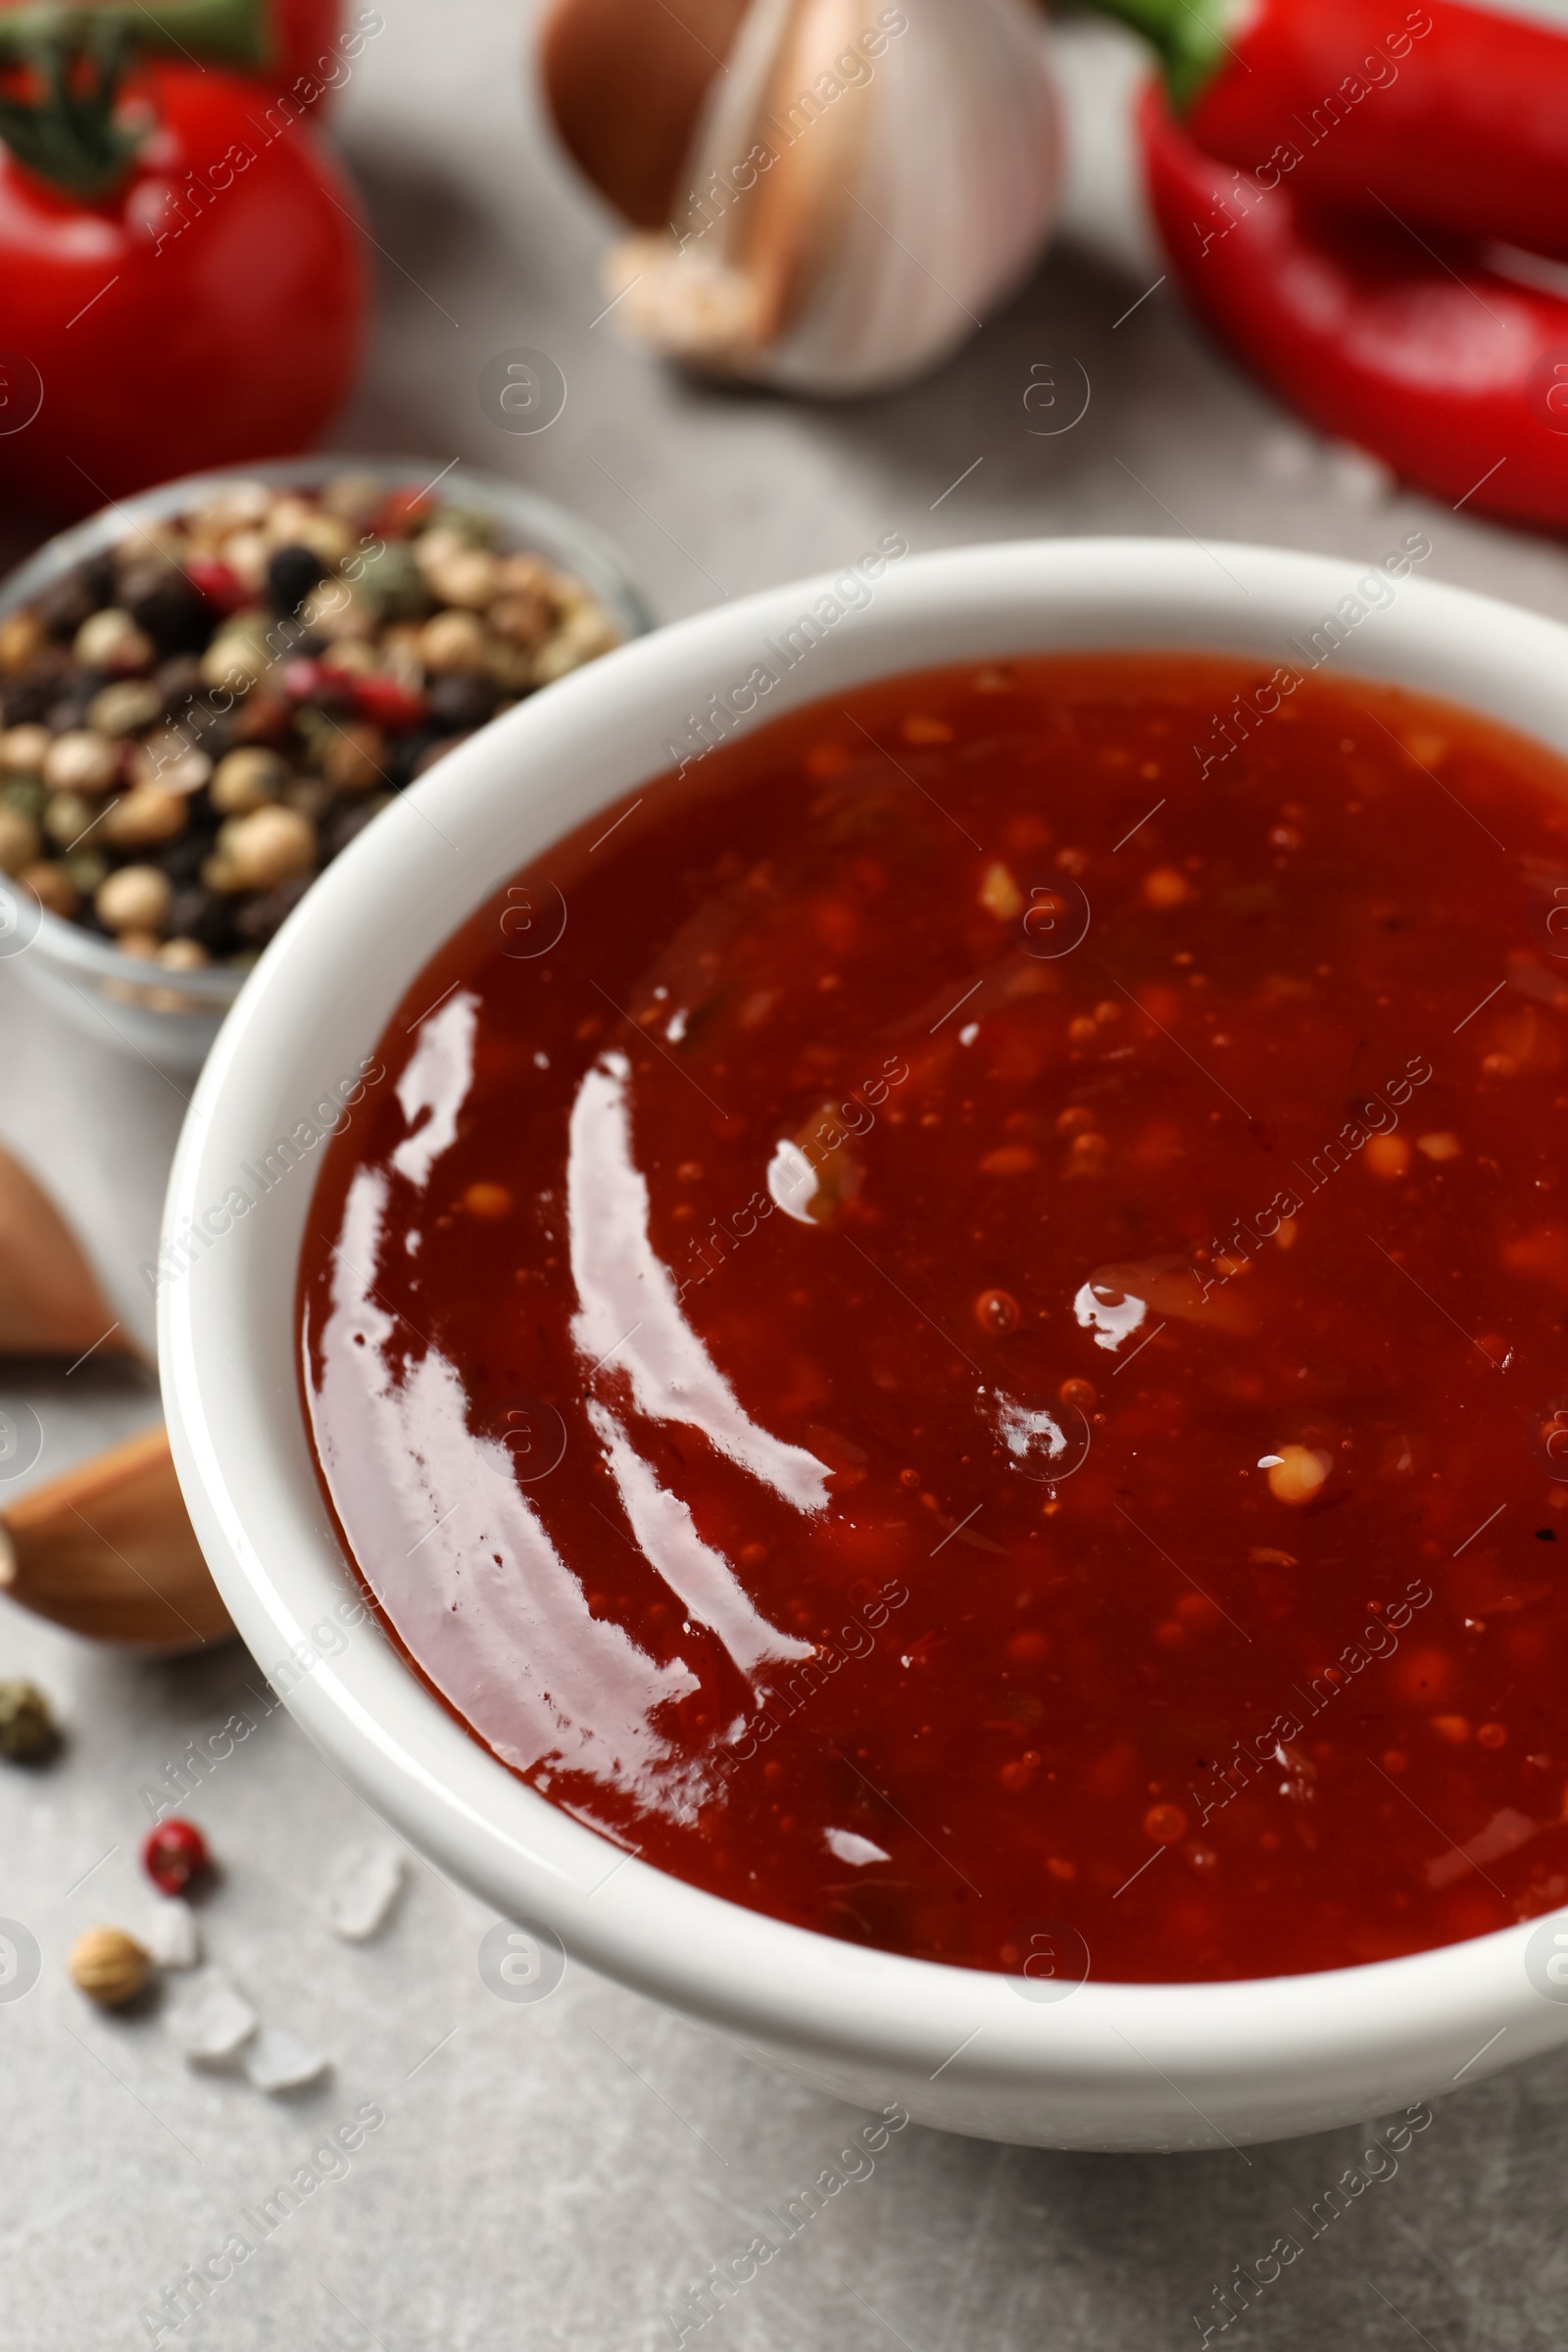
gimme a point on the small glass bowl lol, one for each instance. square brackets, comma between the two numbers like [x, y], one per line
[171, 1020]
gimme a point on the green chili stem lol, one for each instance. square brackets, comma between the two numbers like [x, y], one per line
[1186, 33]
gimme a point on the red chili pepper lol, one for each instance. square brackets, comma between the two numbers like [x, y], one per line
[379, 698]
[1454, 376]
[1451, 116]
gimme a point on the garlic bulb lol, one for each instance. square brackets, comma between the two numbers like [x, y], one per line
[863, 183]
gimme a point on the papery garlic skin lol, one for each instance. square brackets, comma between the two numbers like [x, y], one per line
[865, 183]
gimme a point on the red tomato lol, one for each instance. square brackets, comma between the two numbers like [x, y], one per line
[209, 312]
[305, 35]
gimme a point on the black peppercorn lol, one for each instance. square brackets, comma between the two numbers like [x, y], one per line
[171, 610]
[177, 680]
[70, 601]
[258, 915]
[182, 859]
[460, 702]
[404, 753]
[73, 692]
[291, 573]
[26, 701]
[436, 750]
[201, 914]
[348, 823]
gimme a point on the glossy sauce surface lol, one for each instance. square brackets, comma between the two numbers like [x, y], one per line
[955, 1330]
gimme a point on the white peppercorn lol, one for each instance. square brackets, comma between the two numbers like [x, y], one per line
[454, 641]
[127, 708]
[526, 575]
[466, 576]
[288, 518]
[238, 655]
[294, 524]
[356, 761]
[111, 640]
[256, 852]
[67, 816]
[184, 955]
[247, 779]
[144, 815]
[135, 898]
[582, 636]
[234, 507]
[23, 637]
[109, 1966]
[526, 620]
[333, 610]
[245, 554]
[82, 761]
[170, 761]
[23, 750]
[353, 495]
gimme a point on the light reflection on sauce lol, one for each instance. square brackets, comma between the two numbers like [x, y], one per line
[481, 1590]
[464, 1561]
[628, 1310]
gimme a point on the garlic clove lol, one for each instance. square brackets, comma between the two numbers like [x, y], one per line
[625, 83]
[50, 1301]
[862, 188]
[108, 1549]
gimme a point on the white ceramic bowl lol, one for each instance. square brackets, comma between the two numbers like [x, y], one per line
[1110, 2066]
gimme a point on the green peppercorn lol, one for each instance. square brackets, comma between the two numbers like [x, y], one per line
[25, 794]
[27, 1731]
[390, 581]
[88, 869]
[67, 815]
[472, 523]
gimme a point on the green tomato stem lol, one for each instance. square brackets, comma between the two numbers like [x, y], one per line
[65, 127]
[66, 134]
[236, 30]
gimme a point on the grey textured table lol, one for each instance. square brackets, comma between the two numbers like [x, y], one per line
[559, 2174]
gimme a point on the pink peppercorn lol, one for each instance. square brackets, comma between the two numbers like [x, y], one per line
[174, 1853]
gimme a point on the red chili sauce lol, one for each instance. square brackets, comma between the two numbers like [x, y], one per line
[949, 1323]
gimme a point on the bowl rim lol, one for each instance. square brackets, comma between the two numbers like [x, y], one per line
[252, 1493]
[560, 535]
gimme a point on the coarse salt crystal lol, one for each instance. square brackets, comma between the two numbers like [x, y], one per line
[171, 1935]
[1284, 456]
[366, 1881]
[277, 2061]
[1359, 476]
[213, 2019]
